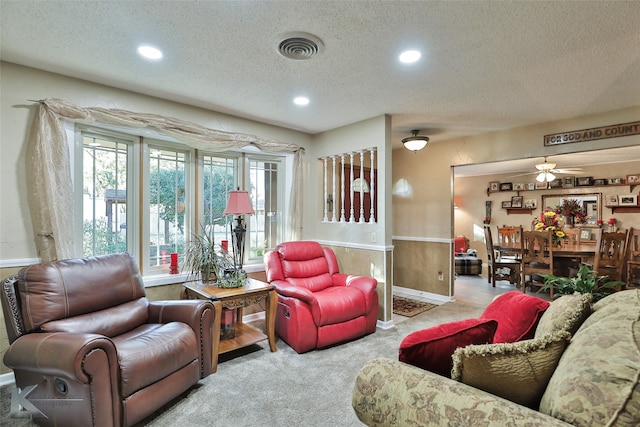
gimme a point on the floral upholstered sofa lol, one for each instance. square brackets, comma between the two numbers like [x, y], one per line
[584, 360]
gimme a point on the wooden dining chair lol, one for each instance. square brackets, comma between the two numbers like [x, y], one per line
[509, 236]
[572, 235]
[500, 268]
[537, 258]
[633, 257]
[572, 238]
[611, 252]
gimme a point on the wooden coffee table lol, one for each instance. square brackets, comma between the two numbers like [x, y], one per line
[252, 292]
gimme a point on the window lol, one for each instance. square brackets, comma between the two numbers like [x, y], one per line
[105, 176]
[141, 196]
[265, 230]
[168, 200]
[219, 175]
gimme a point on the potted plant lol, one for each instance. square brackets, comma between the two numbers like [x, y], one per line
[214, 264]
[585, 282]
[202, 257]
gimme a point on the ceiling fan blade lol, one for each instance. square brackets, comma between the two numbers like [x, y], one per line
[523, 174]
[567, 171]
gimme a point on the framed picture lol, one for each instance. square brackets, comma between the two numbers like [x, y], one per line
[629, 200]
[506, 204]
[633, 179]
[567, 182]
[556, 183]
[530, 203]
[494, 186]
[599, 181]
[611, 200]
[516, 201]
[614, 181]
[531, 186]
[506, 186]
[584, 181]
[542, 185]
[585, 234]
[518, 186]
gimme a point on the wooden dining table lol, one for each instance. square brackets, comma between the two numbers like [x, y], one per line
[564, 251]
[562, 255]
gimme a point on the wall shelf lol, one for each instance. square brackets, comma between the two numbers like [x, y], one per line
[519, 211]
[624, 209]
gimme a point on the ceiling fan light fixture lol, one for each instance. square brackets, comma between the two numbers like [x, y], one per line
[545, 166]
[415, 142]
[545, 176]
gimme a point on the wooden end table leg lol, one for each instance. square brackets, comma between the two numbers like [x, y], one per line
[216, 336]
[270, 319]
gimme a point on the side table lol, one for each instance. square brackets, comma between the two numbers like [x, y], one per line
[252, 292]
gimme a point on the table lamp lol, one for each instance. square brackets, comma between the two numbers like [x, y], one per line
[238, 204]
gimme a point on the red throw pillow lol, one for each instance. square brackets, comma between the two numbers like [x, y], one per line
[517, 315]
[431, 349]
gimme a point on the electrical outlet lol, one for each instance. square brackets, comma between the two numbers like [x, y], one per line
[440, 276]
[373, 237]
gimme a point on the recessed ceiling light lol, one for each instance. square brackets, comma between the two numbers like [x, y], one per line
[409, 56]
[301, 100]
[149, 52]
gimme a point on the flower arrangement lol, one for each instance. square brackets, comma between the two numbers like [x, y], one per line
[550, 220]
[571, 210]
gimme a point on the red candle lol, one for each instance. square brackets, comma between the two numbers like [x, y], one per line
[174, 259]
[225, 245]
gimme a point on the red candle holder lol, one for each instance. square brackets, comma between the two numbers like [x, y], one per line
[173, 268]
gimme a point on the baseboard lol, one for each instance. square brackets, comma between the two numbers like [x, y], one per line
[427, 296]
[385, 325]
[7, 379]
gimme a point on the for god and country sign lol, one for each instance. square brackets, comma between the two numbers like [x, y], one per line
[605, 132]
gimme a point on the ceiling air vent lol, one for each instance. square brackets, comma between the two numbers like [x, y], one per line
[300, 46]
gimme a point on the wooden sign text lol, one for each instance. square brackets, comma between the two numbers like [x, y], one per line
[604, 132]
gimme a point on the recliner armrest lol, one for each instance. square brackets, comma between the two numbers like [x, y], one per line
[60, 353]
[200, 315]
[287, 290]
[367, 285]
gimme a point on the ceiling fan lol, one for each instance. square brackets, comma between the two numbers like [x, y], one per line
[546, 171]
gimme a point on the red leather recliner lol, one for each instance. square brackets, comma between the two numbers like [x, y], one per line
[98, 352]
[317, 305]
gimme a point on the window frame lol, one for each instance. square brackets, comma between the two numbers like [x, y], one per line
[138, 194]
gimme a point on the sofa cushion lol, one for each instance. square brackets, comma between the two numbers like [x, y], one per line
[515, 371]
[597, 379]
[565, 314]
[152, 352]
[517, 315]
[59, 289]
[109, 322]
[431, 348]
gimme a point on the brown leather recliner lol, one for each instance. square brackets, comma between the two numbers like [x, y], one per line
[98, 352]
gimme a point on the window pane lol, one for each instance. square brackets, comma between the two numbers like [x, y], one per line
[104, 187]
[219, 179]
[265, 230]
[167, 205]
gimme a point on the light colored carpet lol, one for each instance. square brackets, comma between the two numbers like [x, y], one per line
[261, 388]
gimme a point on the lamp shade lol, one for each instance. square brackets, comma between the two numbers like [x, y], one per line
[238, 203]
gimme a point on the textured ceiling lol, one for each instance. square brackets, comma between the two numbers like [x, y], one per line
[486, 65]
